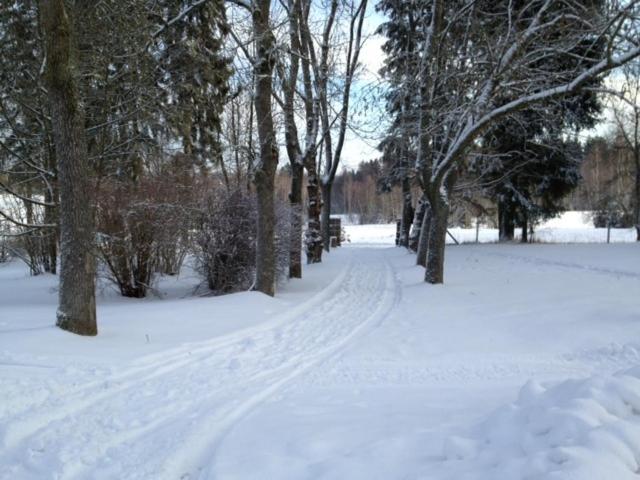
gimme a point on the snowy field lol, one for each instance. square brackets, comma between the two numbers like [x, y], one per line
[524, 365]
[570, 227]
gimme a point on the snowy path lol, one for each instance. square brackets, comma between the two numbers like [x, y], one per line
[165, 415]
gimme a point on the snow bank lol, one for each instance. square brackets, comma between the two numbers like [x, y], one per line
[577, 429]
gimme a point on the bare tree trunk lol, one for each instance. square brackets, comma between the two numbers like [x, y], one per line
[264, 176]
[51, 195]
[414, 236]
[425, 231]
[295, 241]
[303, 51]
[506, 224]
[439, 206]
[51, 217]
[77, 306]
[326, 216]
[636, 203]
[354, 46]
[313, 239]
[439, 217]
[289, 82]
[525, 229]
[407, 213]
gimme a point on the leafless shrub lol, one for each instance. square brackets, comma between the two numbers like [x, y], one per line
[29, 244]
[143, 228]
[226, 240]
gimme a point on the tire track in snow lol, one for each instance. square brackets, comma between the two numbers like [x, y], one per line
[168, 424]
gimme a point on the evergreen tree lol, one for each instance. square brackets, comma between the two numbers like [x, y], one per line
[27, 156]
[195, 78]
[528, 159]
[402, 34]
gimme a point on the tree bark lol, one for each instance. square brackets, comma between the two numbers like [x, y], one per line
[289, 82]
[414, 236]
[265, 172]
[425, 231]
[313, 239]
[439, 215]
[525, 229]
[326, 216]
[51, 216]
[506, 223]
[438, 196]
[407, 213]
[636, 203]
[77, 306]
[295, 240]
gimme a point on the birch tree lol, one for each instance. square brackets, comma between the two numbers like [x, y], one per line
[297, 83]
[333, 139]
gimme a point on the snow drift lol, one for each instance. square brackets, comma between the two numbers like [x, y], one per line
[577, 429]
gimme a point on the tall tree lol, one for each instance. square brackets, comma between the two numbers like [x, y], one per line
[334, 142]
[77, 306]
[195, 78]
[527, 175]
[264, 174]
[398, 148]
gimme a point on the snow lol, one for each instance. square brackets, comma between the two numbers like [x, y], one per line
[569, 227]
[579, 429]
[524, 365]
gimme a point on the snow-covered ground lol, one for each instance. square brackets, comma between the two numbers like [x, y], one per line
[524, 365]
[569, 227]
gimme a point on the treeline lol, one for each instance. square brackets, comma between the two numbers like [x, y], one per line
[609, 186]
[602, 180]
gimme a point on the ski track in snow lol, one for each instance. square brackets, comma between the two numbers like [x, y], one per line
[165, 415]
